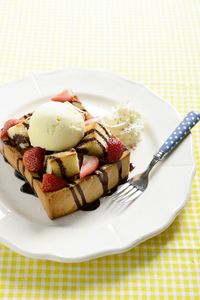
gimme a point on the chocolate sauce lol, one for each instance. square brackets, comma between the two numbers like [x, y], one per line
[75, 101]
[97, 131]
[26, 125]
[75, 198]
[61, 166]
[110, 192]
[84, 206]
[119, 167]
[131, 167]
[80, 158]
[39, 177]
[20, 139]
[105, 130]
[5, 159]
[49, 152]
[8, 142]
[90, 206]
[91, 140]
[103, 177]
[26, 188]
[27, 115]
[19, 175]
[81, 194]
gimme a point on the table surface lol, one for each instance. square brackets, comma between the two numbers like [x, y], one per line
[152, 41]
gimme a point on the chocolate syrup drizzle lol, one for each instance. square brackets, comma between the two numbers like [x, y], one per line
[102, 175]
[91, 140]
[97, 131]
[119, 167]
[29, 189]
[26, 187]
[61, 166]
[81, 194]
[75, 197]
[105, 130]
[87, 206]
[83, 205]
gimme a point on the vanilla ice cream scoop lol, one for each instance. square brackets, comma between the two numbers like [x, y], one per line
[56, 126]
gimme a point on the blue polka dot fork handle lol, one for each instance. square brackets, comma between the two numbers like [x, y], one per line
[179, 133]
[136, 185]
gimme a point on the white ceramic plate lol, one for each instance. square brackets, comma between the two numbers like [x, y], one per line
[24, 225]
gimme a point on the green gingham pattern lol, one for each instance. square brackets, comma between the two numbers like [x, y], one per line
[156, 42]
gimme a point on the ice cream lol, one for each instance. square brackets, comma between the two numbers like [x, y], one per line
[125, 123]
[56, 126]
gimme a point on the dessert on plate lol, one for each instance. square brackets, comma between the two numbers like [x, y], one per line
[65, 156]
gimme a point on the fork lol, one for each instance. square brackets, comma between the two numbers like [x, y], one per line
[136, 185]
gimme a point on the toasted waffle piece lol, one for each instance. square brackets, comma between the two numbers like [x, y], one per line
[95, 140]
[19, 134]
[63, 164]
[73, 197]
[76, 102]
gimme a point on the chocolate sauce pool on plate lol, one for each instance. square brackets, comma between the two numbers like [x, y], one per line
[90, 206]
[25, 188]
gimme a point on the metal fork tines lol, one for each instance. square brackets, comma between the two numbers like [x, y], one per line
[135, 186]
[126, 194]
[130, 192]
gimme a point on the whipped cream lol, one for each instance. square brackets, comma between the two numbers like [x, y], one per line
[125, 123]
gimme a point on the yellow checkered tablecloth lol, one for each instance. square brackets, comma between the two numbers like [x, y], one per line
[156, 42]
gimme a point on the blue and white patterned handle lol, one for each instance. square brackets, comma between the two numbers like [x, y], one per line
[180, 132]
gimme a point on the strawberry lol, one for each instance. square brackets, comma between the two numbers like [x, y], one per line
[7, 125]
[33, 159]
[64, 96]
[52, 183]
[90, 163]
[115, 148]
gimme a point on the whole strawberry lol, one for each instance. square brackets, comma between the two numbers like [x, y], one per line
[8, 124]
[115, 148]
[33, 159]
[52, 183]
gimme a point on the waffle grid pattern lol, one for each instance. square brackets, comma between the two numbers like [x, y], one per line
[151, 41]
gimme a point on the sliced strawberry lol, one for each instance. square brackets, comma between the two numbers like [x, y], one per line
[115, 148]
[33, 159]
[90, 163]
[64, 96]
[52, 183]
[90, 121]
[8, 124]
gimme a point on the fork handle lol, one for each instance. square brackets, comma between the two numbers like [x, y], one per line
[191, 119]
